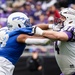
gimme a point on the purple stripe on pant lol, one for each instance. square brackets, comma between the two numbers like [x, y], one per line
[63, 74]
[73, 74]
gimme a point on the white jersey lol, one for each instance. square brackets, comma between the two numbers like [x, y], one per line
[66, 55]
[2, 33]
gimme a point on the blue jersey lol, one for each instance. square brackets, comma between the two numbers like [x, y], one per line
[10, 48]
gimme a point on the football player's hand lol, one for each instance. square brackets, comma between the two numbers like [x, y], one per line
[36, 30]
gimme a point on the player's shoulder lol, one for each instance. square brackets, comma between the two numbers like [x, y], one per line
[16, 32]
[21, 31]
[69, 27]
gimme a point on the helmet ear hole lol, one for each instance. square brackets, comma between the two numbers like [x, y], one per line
[19, 25]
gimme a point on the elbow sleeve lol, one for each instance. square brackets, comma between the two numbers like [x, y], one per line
[37, 41]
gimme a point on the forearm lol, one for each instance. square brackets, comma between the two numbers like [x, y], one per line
[37, 41]
[44, 26]
[50, 34]
[62, 36]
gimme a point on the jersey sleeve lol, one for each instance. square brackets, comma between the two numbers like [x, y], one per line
[70, 31]
[25, 30]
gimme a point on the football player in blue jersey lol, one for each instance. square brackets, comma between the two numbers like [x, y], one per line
[14, 40]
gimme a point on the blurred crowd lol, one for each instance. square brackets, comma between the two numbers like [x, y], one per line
[43, 11]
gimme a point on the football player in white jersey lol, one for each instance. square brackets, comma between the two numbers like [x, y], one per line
[64, 37]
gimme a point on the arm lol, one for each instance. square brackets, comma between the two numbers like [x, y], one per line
[23, 38]
[44, 26]
[62, 36]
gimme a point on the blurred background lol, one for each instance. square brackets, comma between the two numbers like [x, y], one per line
[39, 11]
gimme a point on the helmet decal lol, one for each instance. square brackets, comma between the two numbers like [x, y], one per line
[18, 20]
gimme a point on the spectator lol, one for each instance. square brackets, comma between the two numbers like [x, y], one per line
[21, 8]
[35, 63]
[2, 18]
[53, 11]
[18, 6]
[28, 10]
[38, 10]
[32, 3]
[6, 12]
[9, 10]
[3, 3]
[51, 20]
[32, 21]
[42, 19]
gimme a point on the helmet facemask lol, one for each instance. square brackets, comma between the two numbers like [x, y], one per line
[27, 23]
[58, 23]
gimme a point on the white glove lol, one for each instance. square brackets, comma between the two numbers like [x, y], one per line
[37, 30]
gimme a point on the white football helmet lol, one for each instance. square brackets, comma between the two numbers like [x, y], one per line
[69, 14]
[17, 20]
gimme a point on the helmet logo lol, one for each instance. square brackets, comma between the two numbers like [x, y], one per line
[18, 18]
